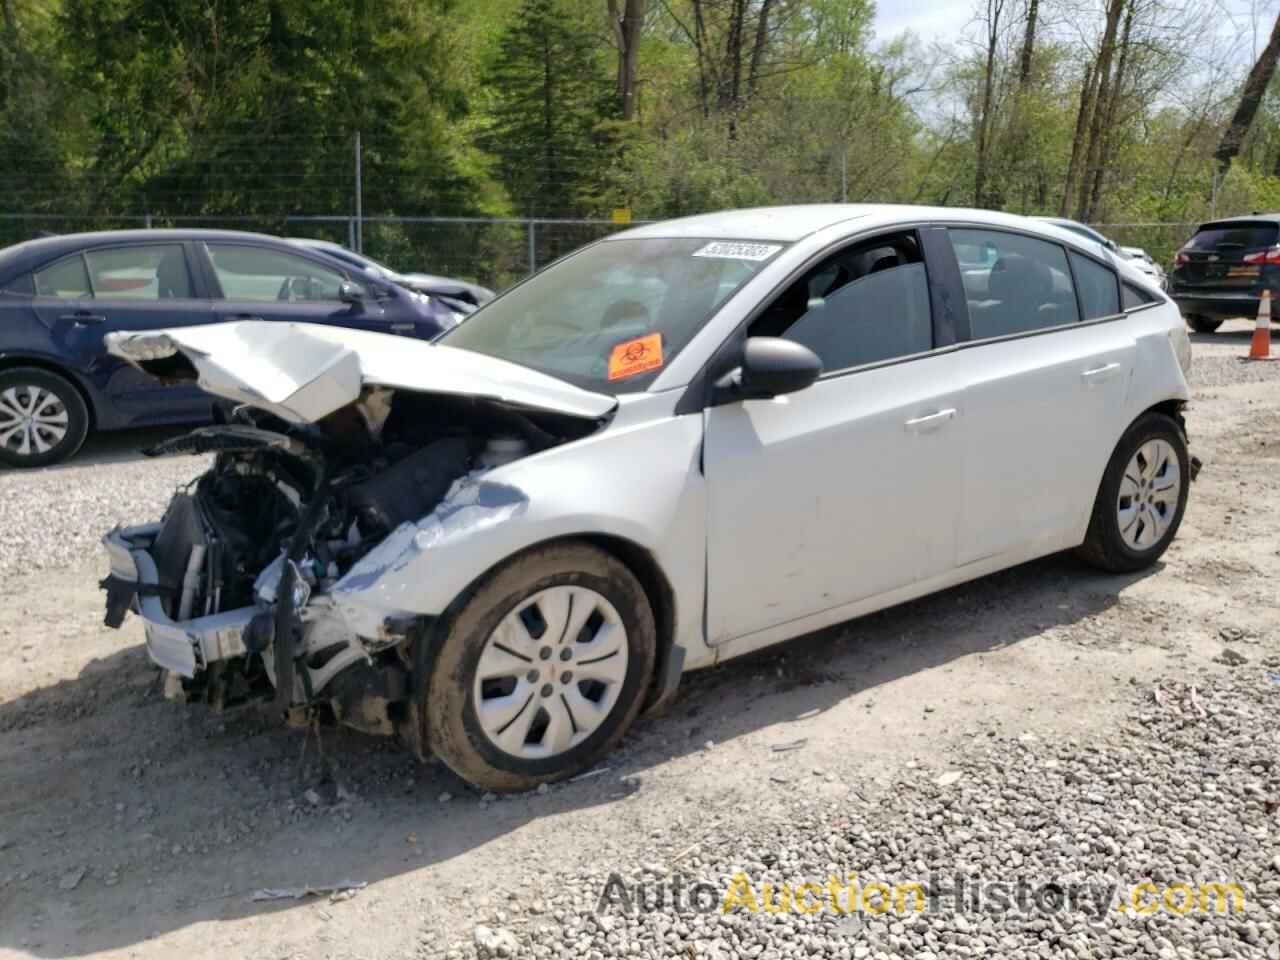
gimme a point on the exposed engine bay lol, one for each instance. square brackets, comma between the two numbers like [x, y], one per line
[247, 556]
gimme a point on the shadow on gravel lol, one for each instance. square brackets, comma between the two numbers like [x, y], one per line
[124, 816]
[1221, 336]
[118, 446]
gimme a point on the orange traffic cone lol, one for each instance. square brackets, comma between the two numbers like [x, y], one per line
[1260, 347]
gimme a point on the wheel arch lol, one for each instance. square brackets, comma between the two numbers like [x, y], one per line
[642, 564]
[12, 361]
[1172, 408]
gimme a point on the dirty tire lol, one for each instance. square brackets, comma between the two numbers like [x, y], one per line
[59, 398]
[1202, 324]
[453, 726]
[1104, 546]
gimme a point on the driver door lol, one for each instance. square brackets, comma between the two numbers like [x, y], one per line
[848, 489]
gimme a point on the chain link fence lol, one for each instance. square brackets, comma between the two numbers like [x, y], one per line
[495, 252]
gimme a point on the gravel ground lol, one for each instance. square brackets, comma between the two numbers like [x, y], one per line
[1008, 727]
[1208, 372]
[54, 518]
[1184, 792]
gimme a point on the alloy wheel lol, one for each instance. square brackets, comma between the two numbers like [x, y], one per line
[33, 420]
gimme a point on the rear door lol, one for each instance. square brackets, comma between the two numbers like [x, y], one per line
[1047, 368]
[136, 286]
[1225, 257]
[260, 282]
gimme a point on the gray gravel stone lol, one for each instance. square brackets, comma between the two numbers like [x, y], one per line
[55, 517]
[1181, 798]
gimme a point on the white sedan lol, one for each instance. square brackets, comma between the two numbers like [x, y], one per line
[673, 447]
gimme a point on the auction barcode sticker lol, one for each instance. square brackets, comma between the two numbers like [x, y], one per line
[735, 250]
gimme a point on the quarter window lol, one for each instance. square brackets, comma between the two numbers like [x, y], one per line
[66, 279]
[1019, 285]
[1134, 296]
[256, 273]
[865, 304]
[1097, 286]
[139, 273]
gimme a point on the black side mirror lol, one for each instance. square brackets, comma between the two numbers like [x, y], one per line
[770, 367]
[349, 292]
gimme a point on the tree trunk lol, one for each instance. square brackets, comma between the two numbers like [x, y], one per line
[1255, 87]
[758, 48]
[1109, 123]
[1103, 79]
[1082, 122]
[994, 9]
[731, 79]
[1028, 44]
[699, 44]
[627, 25]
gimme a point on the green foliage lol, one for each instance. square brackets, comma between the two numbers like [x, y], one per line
[550, 88]
[250, 109]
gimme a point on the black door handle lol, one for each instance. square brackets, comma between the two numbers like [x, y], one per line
[84, 317]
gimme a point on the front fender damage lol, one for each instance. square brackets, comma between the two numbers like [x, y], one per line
[380, 588]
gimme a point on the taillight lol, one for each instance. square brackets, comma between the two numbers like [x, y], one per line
[1180, 258]
[1271, 256]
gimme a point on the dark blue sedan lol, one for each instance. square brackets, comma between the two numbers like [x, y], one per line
[59, 295]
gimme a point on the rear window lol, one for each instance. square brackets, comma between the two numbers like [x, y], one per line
[1233, 236]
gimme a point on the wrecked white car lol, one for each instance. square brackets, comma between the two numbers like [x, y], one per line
[675, 446]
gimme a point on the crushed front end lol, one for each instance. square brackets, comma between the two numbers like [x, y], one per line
[239, 585]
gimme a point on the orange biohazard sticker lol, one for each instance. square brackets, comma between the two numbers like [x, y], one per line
[635, 356]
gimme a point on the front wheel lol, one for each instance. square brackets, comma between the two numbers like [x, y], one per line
[542, 669]
[1203, 324]
[1142, 496]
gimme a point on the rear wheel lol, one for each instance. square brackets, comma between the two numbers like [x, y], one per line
[43, 418]
[542, 670]
[1142, 496]
[1202, 324]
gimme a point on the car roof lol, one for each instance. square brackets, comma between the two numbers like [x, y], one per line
[1246, 218]
[23, 256]
[317, 244]
[792, 223]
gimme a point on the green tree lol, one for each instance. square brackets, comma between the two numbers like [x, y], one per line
[550, 90]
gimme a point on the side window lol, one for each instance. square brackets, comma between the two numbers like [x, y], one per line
[1134, 297]
[66, 279]
[1097, 287]
[867, 303]
[139, 273]
[1021, 284]
[21, 286]
[256, 273]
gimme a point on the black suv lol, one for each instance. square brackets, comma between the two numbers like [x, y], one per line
[1221, 271]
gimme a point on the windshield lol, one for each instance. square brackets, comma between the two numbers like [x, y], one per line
[611, 316]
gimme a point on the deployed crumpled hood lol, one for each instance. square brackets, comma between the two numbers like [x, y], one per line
[302, 372]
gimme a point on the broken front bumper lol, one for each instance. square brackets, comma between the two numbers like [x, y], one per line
[189, 647]
[134, 585]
